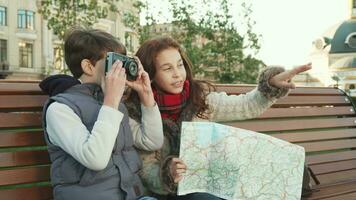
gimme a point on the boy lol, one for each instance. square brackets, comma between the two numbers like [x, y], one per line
[89, 135]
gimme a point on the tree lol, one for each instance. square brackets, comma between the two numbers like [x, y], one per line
[133, 21]
[222, 54]
[61, 15]
[222, 51]
[64, 14]
[336, 78]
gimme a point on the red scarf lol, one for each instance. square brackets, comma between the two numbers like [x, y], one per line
[171, 105]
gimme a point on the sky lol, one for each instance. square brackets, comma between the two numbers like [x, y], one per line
[288, 27]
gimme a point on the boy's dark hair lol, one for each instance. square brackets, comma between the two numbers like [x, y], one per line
[91, 44]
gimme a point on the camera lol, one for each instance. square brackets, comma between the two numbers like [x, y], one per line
[130, 64]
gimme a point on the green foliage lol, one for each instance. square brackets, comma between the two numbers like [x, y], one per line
[213, 42]
[221, 52]
[336, 79]
[144, 31]
[64, 14]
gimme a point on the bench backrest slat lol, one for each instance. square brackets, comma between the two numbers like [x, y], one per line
[334, 167]
[328, 145]
[311, 136]
[24, 175]
[23, 158]
[233, 89]
[338, 177]
[331, 157]
[14, 88]
[33, 193]
[311, 101]
[308, 112]
[22, 138]
[22, 102]
[293, 124]
[20, 120]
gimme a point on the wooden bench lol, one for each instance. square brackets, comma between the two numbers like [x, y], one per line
[24, 161]
[320, 119]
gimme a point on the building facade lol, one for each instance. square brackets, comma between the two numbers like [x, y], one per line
[332, 54]
[28, 50]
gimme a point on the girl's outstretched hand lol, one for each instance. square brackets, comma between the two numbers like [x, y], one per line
[283, 80]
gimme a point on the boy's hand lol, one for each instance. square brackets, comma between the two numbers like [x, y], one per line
[176, 169]
[114, 85]
[283, 80]
[142, 85]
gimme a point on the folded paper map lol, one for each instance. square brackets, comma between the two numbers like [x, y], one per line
[234, 163]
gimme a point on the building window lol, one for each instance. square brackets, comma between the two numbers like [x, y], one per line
[26, 55]
[3, 16]
[4, 65]
[58, 58]
[351, 40]
[26, 19]
[3, 50]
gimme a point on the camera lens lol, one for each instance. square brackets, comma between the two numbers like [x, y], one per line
[133, 68]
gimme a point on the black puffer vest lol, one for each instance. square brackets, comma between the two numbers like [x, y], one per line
[70, 179]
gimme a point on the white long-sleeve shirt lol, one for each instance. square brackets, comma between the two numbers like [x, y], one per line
[93, 149]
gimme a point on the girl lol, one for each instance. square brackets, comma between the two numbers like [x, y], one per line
[181, 98]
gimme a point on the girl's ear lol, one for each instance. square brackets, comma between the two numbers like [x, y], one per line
[87, 67]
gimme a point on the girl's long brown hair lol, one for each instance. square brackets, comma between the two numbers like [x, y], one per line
[147, 54]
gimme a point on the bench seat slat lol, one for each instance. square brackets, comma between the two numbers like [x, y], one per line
[308, 112]
[24, 175]
[33, 102]
[18, 120]
[330, 157]
[32, 193]
[18, 139]
[293, 124]
[21, 158]
[316, 135]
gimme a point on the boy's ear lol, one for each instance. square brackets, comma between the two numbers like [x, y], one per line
[87, 67]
